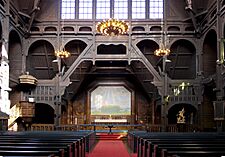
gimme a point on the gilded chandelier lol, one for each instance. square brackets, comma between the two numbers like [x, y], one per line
[112, 27]
[162, 51]
[62, 53]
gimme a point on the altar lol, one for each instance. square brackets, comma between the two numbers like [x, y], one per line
[110, 126]
[106, 121]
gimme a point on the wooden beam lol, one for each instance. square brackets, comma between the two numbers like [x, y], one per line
[75, 80]
[192, 15]
[41, 54]
[47, 60]
[33, 13]
[23, 14]
[182, 54]
[175, 62]
[43, 68]
[147, 81]
[180, 67]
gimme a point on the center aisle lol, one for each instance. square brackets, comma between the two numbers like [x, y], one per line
[109, 148]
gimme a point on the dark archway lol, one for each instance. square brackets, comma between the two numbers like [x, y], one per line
[207, 107]
[0, 31]
[147, 47]
[15, 65]
[15, 55]
[44, 114]
[190, 114]
[183, 60]
[1, 40]
[223, 3]
[2, 3]
[111, 49]
[210, 53]
[39, 60]
[138, 28]
[75, 47]
[223, 46]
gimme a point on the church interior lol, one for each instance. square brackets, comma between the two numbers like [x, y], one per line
[113, 67]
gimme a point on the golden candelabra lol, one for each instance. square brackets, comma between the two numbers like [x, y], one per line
[112, 27]
[162, 51]
[62, 53]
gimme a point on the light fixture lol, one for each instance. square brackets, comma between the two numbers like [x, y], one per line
[162, 51]
[62, 53]
[112, 27]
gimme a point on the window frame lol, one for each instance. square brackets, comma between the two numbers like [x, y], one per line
[129, 14]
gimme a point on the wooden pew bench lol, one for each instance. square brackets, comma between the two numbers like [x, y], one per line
[75, 145]
[146, 148]
[88, 137]
[72, 144]
[193, 151]
[163, 144]
[65, 149]
[32, 153]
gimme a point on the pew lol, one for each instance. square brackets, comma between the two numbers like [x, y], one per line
[89, 139]
[32, 153]
[146, 145]
[58, 143]
[78, 147]
[177, 144]
[68, 149]
[181, 150]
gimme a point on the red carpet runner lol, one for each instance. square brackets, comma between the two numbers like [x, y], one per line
[110, 146]
[109, 149]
